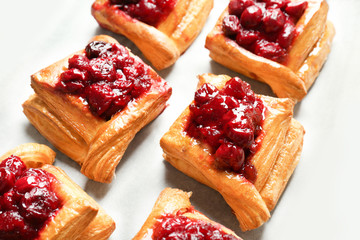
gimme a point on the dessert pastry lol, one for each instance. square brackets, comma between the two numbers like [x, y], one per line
[173, 214]
[280, 42]
[43, 202]
[91, 104]
[162, 30]
[245, 146]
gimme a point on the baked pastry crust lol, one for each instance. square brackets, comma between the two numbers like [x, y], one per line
[66, 121]
[274, 161]
[161, 45]
[305, 58]
[34, 155]
[80, 217]
[172, 201]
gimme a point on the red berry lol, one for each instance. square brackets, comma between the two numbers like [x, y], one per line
[123, 60]
[237, 88]
[247, 37]
[241, 131]
[227, 121]
[117, 104]
[7, 180]
[273, 20]
[147, 12]
[286, 35]
[258, 113]
[198, 115]
[151, 12]
[251, 16]
[276, 3]
[14, 164]
[102, 70]
[9, 201]
[25, 208]
[296, 9]
[28, 183]
[111, 65]
[123, 85]
[72, 81]
[38, 204]
[218, 106]
[211, 135]
[80, 62]
[13, 226]
[229, 156]
[36, 172]
[205, 93]
[99, 97]
[141, 85]
[172, 227]
[231, 25]
[97, 49]
[134, 71]
[269, 50]
[249, 172]
[236, 7]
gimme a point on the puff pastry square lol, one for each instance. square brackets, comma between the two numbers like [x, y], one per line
[275, 160]
[306, 56]
[80, 217]
[177, 203]
[67, 122]
[161, 45]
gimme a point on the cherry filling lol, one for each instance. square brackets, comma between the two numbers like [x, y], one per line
[229, 121]
[172, 227]
[106, 76]
[264, 27]
[27, 200]
[151, 12]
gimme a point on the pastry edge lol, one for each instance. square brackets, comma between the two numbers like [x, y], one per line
[54, 129]
[126, 125]
[285, 165]
[161, 48]
[180, 158]
[34, 155]
[172, 200]
[84, 216]
[283, 80]
[79, 208]
[59, 130]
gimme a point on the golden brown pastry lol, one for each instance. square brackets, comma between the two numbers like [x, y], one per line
[32, 154]
[163, 42]
[251, 194]
[175, 204]
[306, 51]
[52, 206]
[94, 125]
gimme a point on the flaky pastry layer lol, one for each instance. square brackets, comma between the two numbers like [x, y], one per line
[305, 59]
[80, 216]
[173, 201]
[161, 45]
[66, 121]
[280, 150]
[34, 155]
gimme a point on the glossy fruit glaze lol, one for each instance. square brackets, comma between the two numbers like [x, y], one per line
[151, 12]
[106, 76]
[264, 27]
[27, 200]
[229, 121]
[175, 227]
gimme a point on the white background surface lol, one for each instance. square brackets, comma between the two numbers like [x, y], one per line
[321, 200]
